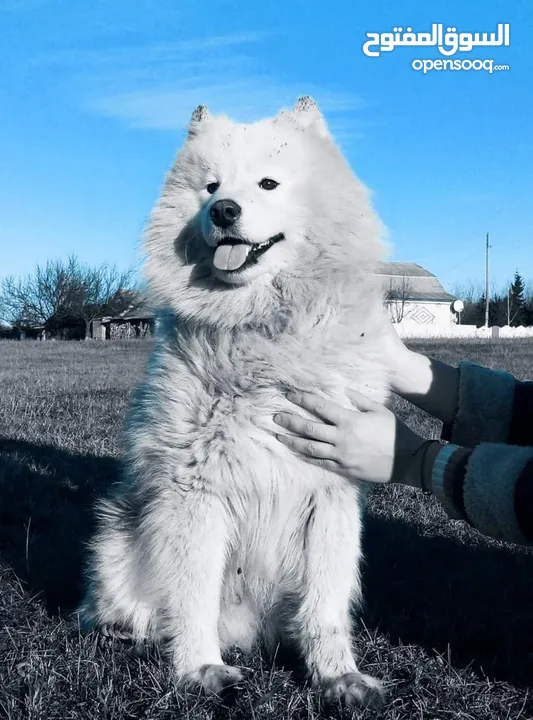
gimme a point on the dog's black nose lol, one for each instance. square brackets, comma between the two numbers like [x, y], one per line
[224, 213]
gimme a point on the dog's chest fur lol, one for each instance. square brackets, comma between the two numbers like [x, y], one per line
[216, 399]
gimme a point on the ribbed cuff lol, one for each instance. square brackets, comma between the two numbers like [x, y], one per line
[447, 478]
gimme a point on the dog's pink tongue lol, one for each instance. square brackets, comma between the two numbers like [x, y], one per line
[231, 257]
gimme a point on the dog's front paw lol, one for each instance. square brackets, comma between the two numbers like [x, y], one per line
[354, 690]
[112, 631]
[220, 680]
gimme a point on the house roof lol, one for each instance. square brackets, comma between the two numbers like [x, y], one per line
[413, 281]
[139, 313]
[138, 310]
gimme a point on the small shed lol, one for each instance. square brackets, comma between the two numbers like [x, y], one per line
[134, 323]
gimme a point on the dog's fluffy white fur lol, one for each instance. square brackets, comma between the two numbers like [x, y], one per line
[217, 533]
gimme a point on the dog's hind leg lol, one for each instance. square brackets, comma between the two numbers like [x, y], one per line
[184, 538]
[111, 604]
[331, 587]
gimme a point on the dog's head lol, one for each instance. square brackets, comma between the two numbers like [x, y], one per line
[249, 211]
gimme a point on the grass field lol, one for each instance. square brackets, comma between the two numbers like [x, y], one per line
[448, 621]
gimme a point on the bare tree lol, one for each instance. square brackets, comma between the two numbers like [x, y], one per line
[528, 301]
[4, 312]
[49, 293]
[516, 301]
[104, 290]
[396, 298]
[59, 292]
[469, 293]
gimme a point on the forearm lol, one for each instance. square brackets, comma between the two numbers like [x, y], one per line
[476, 404]
[490, 487]
[429, 384]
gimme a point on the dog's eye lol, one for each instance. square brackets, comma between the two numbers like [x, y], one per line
[212, 187]
[268, 184]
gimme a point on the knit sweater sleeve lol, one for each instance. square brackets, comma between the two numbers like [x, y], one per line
[494, 407]
[489, 486]
[484, 475]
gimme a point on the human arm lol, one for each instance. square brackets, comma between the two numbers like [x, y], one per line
[431, 385]
[489, 486]
[476, 404]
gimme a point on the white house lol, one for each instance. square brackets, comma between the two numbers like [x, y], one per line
[416, 298]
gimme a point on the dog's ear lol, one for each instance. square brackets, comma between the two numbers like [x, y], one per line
[306, 104]
[200, 115]
[307, 114]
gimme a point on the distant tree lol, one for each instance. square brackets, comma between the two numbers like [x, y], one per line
[471, 294]
[104, 290]
[396, 298]
[497, 310]
[60, 294]
[516, 301]
[49, 293]
[511, 306]
[470, 314]
[474, 312]
[478, 311]
[528, 304]
[4, 312]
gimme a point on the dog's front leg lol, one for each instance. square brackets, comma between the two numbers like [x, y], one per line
[331, 587]
[185, 536]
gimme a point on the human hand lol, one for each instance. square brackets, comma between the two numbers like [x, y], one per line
[426, 382]
[409, 372]
[368, 443]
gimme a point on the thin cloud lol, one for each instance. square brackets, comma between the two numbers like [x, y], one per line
[162, 54]
[157, 87]
[244, 99]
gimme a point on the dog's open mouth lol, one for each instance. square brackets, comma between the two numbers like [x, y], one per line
[235, 255]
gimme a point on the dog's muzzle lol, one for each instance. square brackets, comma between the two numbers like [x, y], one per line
[234, 254]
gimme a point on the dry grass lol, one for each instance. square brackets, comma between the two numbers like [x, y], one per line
[448, 619]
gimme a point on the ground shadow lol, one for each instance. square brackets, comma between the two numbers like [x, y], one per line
[421, 588]
[47, 514]
[471, 601]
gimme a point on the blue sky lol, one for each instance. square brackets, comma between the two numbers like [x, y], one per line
[95, 94]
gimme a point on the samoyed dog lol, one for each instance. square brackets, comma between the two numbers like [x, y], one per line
[260, 254]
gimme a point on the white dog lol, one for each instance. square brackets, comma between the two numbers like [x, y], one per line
[261, 253]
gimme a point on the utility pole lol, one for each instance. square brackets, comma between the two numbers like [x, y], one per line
[487, 299]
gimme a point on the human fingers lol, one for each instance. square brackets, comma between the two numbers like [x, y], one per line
[325, 409]
[306, 428]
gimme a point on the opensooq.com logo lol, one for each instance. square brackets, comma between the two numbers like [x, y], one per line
[447, 43]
